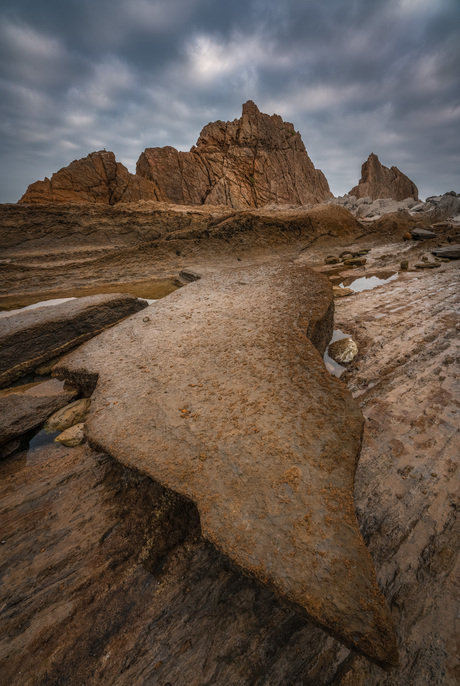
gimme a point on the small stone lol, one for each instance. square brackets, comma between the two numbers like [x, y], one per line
[424, 258]
[342, 292]
[356, 261]
[343, 351]
[68, 416]
[346, 255]
[427, 265]
[331, 259]
[407, 236]
[146, 319]
[73, 436]
[404, 264]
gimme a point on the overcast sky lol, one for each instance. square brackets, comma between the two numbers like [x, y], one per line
[353, 76]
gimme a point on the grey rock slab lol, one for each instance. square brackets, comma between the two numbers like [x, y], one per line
[25, 407]
[29, 339]
[450, 251]
[422, 234]
[223, 397]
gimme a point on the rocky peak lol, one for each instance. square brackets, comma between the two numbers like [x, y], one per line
[378, 181]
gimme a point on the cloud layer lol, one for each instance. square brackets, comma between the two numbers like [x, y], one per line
[354, 77]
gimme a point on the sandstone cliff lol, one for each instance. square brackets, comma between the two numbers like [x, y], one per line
[378, 181]
[97, 178]
[250, 162]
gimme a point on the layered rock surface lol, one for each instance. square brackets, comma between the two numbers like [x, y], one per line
[219, 392]
[29, 339]
[378, 181]
[250, 162]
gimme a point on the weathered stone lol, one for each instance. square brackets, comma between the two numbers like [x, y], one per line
[342, 292]
[451, 252]
[427, 265]
[331, 259]
[404, 264]
[355, 261]
[29, 339]
[97, 178]
[378, 181]
[187, 275]
[253, 161]
[25, 407]
[230, 370]
[63, 419]
[73, 436]
[343, 351]
[419, 234]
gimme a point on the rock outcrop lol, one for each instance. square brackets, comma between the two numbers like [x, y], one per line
[29, 339]
[253, 161]
[97, 178]
[250, 162]
[219, 392]
[378, 181]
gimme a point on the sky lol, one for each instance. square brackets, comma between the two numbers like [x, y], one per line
[353, 76]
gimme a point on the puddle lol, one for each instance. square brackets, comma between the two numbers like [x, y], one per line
[367, 283]
[150, 290]
[41, 439]
[331, 365]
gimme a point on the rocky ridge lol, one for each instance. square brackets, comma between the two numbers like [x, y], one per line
[378, 181]
[250, 162]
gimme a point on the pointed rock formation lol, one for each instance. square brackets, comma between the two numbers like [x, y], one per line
[97, 178]
[378, 181]
[250, 162]
[219, 392]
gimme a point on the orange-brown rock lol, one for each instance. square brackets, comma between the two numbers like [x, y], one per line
[97, 178]
[253, 161]
[378, 181]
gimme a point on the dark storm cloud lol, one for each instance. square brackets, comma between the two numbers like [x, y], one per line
[354, 76]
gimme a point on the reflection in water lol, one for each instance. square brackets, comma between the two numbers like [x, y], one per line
[367, 283]
[42, 303]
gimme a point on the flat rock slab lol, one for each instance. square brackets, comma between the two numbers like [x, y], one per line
[26, 407]
[219, 392]
[422, 234]
[29, 339]
[450, 251]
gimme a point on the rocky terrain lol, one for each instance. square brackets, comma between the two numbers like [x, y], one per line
[250, 162]
[378, 181]
[189, 494]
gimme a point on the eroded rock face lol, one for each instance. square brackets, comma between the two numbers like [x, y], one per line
[378, 181]
[97, 178]
[250, 162]
[222, 396]
[35, 336]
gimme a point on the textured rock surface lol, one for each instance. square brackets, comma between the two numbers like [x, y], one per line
[25, 407]
[97, 178]
[253, 161]
[378, 181]
[29, 339]
[450, 251]
[66, 417]
[223, 397]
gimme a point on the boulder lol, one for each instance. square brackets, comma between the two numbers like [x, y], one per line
[63, 419]
[73, 436]
[23, 408]
[253, 161]
[225, 399]
[452, 252]
[378, 181]
[343, 351]
[29, 339]
[419, 234]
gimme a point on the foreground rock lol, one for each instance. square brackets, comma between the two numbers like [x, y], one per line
[29, 339]
[25, 407]
[225, 399]
[250, 162]
[378, 181]
[452, 252]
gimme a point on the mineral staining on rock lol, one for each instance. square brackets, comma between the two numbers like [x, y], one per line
[253, 161]
[222, 396]
[343, 351]
[378, 181]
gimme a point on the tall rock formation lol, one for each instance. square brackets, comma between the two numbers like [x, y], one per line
[250, 162]
[378, 181]
[97, 178]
